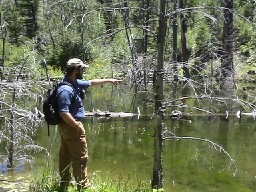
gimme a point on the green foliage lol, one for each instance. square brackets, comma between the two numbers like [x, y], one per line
[99, 69]
[80, 29]
[46, 180]
[28, 11]
[22, 60]
[158, 190]
[95, 31]
[101, 182]
[53, 71]
[68, 48]
[246, 8]
[14, 25]
[204, 34]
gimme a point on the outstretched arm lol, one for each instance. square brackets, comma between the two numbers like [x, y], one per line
[104, 81]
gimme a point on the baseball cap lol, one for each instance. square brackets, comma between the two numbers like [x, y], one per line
[74, 62]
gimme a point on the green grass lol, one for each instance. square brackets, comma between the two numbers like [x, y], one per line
[47, 180]
[44, 180]
[101, 182]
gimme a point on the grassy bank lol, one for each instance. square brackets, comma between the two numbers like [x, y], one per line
[46, 180]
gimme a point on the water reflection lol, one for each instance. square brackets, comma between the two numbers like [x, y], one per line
[223, 133]
[123, 147]
[20, 166]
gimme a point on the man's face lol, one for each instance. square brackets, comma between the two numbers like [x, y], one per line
[79, 73]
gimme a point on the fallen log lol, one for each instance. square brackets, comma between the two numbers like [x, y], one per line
[109, 114]
[174, 115]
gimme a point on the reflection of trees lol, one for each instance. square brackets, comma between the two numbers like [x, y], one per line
[122, 144]
[223, 133]
[216, 146]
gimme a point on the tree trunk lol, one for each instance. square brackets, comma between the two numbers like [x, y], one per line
[175, 42]
[157, 181]
[4, 34]
[146, 18]
[227, 68]
[11, 138]
[184, 49]
[128, 32]
[146, 25]
[135, 71]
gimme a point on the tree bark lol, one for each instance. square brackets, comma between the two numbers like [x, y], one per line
[184, 48]
[12, 122]
[146, 25]
[4, 34]
[128, 32]
[227, 67]
[157, 181]
[175, 41]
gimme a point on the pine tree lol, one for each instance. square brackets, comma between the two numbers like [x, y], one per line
[28, 11]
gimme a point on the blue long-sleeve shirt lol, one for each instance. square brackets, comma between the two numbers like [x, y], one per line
[69, 99]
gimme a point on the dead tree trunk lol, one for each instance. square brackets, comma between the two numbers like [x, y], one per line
[129, 33]
[227, 67]
[184, 48]
[146, 25]
[157, 181]
[12, 122]
[135, 71]
[4, 34]
[175, 41]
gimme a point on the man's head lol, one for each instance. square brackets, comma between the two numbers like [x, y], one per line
[77, 66]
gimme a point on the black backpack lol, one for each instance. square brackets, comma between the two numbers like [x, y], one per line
[50, 105]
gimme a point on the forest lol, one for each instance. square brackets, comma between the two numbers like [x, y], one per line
[206, 46]
[198, 38]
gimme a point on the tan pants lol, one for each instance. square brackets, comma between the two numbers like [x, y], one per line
[73, 151]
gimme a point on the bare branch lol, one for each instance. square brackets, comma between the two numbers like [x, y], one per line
[216, 146]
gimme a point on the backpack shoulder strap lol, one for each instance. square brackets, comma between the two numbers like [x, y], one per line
[69, 84]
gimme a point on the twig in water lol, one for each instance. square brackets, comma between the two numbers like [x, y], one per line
[215, 145]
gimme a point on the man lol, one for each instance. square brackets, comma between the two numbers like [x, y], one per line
[73, 148]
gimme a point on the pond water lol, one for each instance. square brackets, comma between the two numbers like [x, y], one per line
[123, 148]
